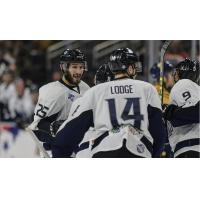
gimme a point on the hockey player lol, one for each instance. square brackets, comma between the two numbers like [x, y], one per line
[183, 111]
[126, 115]
[56, 98]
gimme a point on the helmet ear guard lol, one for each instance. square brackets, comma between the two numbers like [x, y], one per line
[85, 66]
[138, 67]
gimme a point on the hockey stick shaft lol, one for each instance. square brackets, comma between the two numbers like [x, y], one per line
[162, 55]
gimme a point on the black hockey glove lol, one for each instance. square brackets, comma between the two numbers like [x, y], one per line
[164, 106]
[168, 112]
[54, 126]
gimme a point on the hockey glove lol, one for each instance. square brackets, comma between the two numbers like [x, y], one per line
[54, 126]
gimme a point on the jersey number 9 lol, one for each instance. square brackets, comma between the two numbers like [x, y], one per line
[186, 95]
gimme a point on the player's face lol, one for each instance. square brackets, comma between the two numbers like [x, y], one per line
[75, 72]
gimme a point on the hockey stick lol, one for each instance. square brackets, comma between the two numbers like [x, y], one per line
[39, 145]
[162, 55]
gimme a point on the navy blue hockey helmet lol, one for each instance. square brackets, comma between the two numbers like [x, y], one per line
[73, 55]
[103, 74]
[120, 60]
[188, 69]
[155, 69]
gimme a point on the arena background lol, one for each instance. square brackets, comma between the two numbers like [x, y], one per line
[36, 63]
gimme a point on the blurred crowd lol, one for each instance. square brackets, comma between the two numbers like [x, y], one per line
[17, 99]
[18, 92]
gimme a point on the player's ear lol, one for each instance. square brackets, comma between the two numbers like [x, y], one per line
[130, 69]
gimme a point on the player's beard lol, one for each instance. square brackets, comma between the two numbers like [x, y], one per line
[72, 80]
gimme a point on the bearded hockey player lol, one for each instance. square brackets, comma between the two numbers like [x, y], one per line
[125, 113]
[183, 111]
[56, 98]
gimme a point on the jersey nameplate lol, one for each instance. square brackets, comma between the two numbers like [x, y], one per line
[122, 89]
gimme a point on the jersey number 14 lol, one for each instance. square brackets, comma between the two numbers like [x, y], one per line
[133, 103]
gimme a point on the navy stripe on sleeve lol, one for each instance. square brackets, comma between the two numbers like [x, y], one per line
[156, 129]
[68, 138]
[183, 116]
[187, 143]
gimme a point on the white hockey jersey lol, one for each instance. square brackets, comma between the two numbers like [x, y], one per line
[55, 100]
[112, 108]
[54, 103]
[182, 138]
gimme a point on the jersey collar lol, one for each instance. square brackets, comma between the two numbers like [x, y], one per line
[123, 77]
[74, 88]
